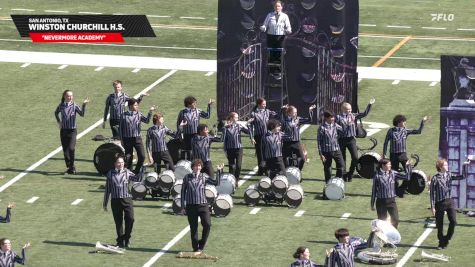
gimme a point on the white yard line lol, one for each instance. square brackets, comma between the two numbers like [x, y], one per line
[201, 18]
[89, 12]
[136, 70]
[345, 216]
[464, 29]
[99, 68]
[408, 58]
[359, 80]
[254, 211]
[62, 67]
[414, 247]
[396, 82]
[25, 65]
[166, 206]
[299, 213]
[209, 73]
[433, 84]
[368, 25]
[32, 200]
[434, 28]
[23, 9]
[56, 11]
[398, 26]
[92, 127]
[158, 16]
[77, 201]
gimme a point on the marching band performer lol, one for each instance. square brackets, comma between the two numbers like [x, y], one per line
[117, 187]
[200, 145]
[441, 199]
[115, 104]
[328, 148]
[8, 258]
[291, 127]
[195, 205]
[156, 145]
[342, 255]
[260, 116]
[271, 146]
[347, 120]
[130, 133]
[383, 192]
[67, 123]
[8, 216]
[192, 116]
[232, 143]
[302, 258]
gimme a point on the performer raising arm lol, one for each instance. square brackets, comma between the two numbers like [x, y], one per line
[8, 216]
[441, 199]
[8, 258]
[302, 258]
[201, 144]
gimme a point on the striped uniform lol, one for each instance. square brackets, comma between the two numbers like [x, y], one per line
[383, 193]
[130, 123]
[193, 189]
[192, 117]
[341, 256]
[261, 117]
[117, 184]
[291, 127]
[9, 258]
[303, 263]
[200, 146]
[271, 146]
[68, 112]
[115, 105]
[441, 186]
[327, 137]
[7, 217]
[396, 138]
[348, 121]
[156, 141]
[233, 147]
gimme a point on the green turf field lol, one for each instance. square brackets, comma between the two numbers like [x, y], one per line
[64, 235]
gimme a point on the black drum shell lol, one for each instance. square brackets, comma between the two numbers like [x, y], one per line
[105, 155]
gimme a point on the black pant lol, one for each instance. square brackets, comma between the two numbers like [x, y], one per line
[448, 206]
[350, 144]
[260, 162]
[275, 166]
[193, 212]
[123, 210]
[385, 206]
[167, 159]
[234, 161]
[68, 142]
[327, 165]
[187, 140]
[114, 124]
[293, 147]
[129, 144]
[275, 41]
[208, 168]
[397, 159]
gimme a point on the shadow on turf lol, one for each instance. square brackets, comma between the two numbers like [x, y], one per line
[84, 244]
[37, 172]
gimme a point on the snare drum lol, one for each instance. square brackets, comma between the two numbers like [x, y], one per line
[418, 182]
[280, 184]
[176, 205]
[138, 190]
[368, 164]
[264, 184]
[294, 196]
[176, 189]
[105, 155]
[335, 189]
[151, 180]
[293, 175]
[166, 179]
[222, 206]
[252, 195]
[211, 193]
[182, 168]
[227, 184]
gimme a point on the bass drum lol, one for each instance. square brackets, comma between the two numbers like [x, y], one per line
[265, 184]
[418, 182]
[182, 168]
[227, 184]
[222, 205]
[151, 180]
[368, 164]
[335, 189]
[105, 155]
[280, 184]
[293, 175]
[138, 190]
[166, 180]
[176, 189]
[252, 195]
[176, 205]
[211, 193]
[294, 196]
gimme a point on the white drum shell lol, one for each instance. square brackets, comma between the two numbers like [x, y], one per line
[182, 168]
[167, 179]
[280, 184]
[227, 184]
[211, 193]
[335, 189]
[293, 175]
[252, 195]
[176, 189]
[265, 184]
[294, 195]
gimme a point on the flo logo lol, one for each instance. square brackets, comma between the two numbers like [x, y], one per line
[442, 17]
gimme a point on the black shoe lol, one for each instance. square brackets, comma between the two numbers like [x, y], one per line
[120, 244]
[71, 170]
[127, 244]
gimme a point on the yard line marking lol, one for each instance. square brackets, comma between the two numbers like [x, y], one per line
[92, 127]
[395, 82]
[57, 11]
[417, 37]
[88, 12]
[414, 247]
[345, 216]
[398, 26]
[299, 213]
[22, 9]
[254, 210]
[462, 29]
[166, 206]
[192, 18]
[158, 16]
[209, 73]
[62, 67]
[25, 65]
[136, 70]
[434, 28]
[368, 25]
[433, 84]
[392, 51]
[167, 247]
[98, 68]
[32, 200]
[410, 58]
[359, 80]
[77, 201]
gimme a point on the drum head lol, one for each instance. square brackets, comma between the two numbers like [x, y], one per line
[227, 184]
[293, 175]
[182, 168]
[166, 179]
[105, 155]
[251, 195]
[176, 189]
[280, 184]
[139, 191]
[265, 184]
[417, 184]
[223, 204]
[367, 165]
[176, 205]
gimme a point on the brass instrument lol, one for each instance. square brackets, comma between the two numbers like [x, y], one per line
[434, 257]
[104, 248]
